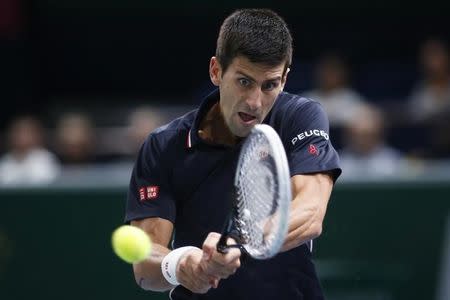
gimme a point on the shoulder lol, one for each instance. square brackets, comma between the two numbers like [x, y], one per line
[286, 99]
[172, 132]
[166, 142]
[295, 108]
[288, 102]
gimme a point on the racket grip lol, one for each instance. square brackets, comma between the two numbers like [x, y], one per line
[222, 244]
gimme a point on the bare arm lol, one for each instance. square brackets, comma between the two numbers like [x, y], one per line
[198, 270]
[310, 199]
[148, 273]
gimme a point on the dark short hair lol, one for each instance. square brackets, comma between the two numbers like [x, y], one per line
[260, 35]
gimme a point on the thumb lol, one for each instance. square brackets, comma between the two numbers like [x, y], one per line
[209, 245]
[206, 254]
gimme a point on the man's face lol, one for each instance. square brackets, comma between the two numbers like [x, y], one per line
[247, 92]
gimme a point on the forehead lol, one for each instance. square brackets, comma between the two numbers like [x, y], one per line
[241, 64]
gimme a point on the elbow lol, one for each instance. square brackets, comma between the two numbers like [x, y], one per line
[316, 222]
[147, 283]
[141, 282]
[140, 278]
[315, 230]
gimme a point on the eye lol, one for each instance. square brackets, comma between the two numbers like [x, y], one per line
[268, 86]
[244, 82]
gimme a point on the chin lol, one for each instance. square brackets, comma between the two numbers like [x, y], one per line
[243, 132]
[243, 135]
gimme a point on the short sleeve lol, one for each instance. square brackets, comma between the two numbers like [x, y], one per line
[307, 140]
[149, 194]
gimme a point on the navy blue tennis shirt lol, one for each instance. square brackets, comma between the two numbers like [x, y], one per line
[181, 178]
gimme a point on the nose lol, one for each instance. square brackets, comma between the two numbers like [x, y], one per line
[254, 100]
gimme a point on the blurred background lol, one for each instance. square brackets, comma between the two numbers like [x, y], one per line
[82, 83]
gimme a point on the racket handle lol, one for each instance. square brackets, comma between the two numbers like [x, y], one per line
[222, 244]
[228, 228]
[223, 248]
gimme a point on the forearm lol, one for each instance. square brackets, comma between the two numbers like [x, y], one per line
[305, 226]
[196, 269]
[148, 273]
[308, 208]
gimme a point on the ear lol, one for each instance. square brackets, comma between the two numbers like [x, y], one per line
[215, 71]
[283, 80]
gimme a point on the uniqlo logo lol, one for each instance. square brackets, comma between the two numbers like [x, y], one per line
[152, 192]
[142, 194]
[148, 192]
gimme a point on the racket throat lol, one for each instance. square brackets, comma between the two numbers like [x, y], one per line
[230, 231]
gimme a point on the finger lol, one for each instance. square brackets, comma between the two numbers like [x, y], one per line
[209, 245]
[211, 269]
[220, 268]
[194, 278]
[197, 283]
[214, 283]
[231, 256]
[191, 275]
[231, 241]
[223, 271]
[190, 268]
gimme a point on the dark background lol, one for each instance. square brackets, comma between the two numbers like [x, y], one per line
[110, 52]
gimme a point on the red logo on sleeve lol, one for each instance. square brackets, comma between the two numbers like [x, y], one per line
[313, 150]
[148, 192]
[142, 194]
[152, 192]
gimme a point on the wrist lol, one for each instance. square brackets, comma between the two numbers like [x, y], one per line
[170, 263]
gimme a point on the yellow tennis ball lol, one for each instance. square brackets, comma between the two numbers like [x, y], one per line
[131, 243]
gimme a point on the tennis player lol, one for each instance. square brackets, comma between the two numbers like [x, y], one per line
[179, 189]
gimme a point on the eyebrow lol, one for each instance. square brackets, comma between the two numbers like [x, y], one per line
[252, 79]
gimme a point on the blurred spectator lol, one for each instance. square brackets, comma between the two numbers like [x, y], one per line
[332, 90]
[27, 162]
[75, 139]
[430, 100]
[366, 154]
[142, 121]
[429, 104]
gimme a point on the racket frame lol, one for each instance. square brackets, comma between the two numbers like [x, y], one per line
[285, 194]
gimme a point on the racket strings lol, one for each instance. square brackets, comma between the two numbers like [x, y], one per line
[257, 192]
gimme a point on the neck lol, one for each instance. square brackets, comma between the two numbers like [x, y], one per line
[214, 130]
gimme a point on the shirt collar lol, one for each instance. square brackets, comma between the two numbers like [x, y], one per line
[192, 136]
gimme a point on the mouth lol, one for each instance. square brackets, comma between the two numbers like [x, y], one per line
[247, 119]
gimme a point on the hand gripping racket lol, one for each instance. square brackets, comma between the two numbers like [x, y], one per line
[262, 194]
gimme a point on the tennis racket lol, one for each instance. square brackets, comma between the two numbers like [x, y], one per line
[261, 196]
